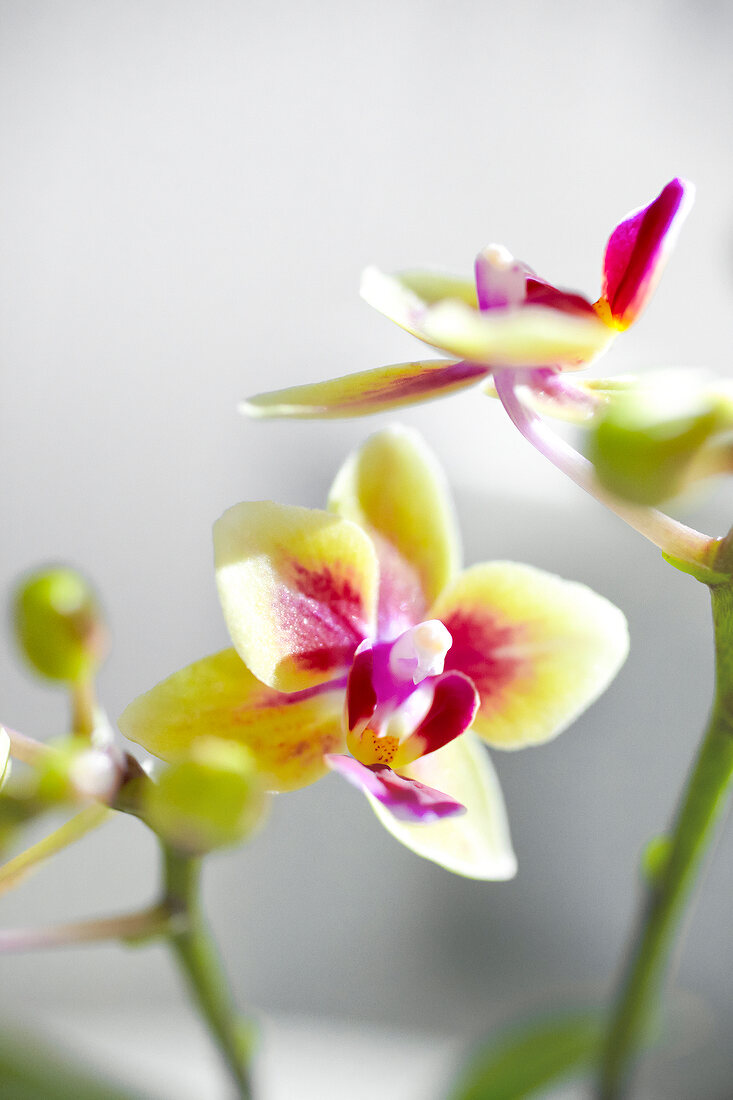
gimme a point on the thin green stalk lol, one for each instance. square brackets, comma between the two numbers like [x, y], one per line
[703, 802]
[198, 957]
[145, 924]
[72, 830]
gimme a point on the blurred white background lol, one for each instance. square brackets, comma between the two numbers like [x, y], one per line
[188, 194]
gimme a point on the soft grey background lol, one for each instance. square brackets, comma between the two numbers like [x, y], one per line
[188, 193]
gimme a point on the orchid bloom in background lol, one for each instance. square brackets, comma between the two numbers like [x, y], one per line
[361, 648]
[506, 322]
[519, 335]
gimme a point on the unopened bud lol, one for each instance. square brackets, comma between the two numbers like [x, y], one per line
[212, 799]
[59, 624]
[645, 444]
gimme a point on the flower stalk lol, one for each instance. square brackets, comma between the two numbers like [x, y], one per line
[703, 802]
[72, 830]
[194, 948]
[672, 537]
[132, 926]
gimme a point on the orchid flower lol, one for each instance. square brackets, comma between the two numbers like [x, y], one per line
[505, 320]
[359, 647]
[519, 335]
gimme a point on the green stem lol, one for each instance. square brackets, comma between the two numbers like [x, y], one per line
[197, 955]
[72, 830]
[83, 708]
[703, 802]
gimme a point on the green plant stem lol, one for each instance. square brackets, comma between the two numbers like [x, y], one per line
[132, 927]
[198, 957]
[72, 830]
[83, 708]
[703, 802]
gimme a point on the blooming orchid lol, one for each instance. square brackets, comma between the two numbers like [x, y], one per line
[361, 648]
[506, 322]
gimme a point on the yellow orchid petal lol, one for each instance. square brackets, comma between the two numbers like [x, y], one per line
[219, 697]
[435, 286]
[367, 392]
[298, 588]
[476, 844]
[533, 336]
[538, 648]
[393, 486]
[404, 298]
[530, 336]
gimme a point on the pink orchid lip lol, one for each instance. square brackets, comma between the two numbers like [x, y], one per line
[407, 799]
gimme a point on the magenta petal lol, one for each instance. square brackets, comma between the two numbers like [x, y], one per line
[407, 799]
[637, 249]
[361, 698]
[454, 706]
[540, 293]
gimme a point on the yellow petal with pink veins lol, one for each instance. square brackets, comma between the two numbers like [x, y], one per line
[476, 844]
[539, 649]
[218, 697]
[367, 392]
[393, 485]
[298, 588]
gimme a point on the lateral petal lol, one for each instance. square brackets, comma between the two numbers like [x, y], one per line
[367, 392]
[288, 734]
[539, 649]
[394, 487]
[477, 844]
[298, 588]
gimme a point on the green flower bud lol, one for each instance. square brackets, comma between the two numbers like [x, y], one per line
[212, 799]
[59, 625]
[644, 445]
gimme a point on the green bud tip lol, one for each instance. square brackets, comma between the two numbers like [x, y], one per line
[59, 624]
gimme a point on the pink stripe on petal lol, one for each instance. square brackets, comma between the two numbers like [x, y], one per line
[407, 799]
[454, 706]
[324, 614]
[485, 648]
[637, 249]
[361, 697]
[368, 391]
